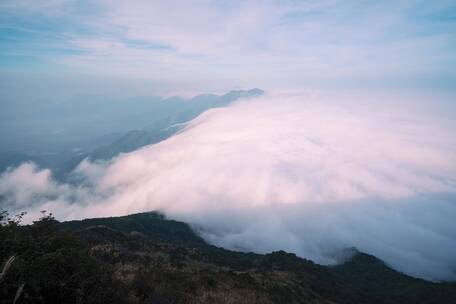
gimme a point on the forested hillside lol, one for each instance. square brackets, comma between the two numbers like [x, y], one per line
[145, 258]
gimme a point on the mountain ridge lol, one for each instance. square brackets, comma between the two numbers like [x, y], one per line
[147, 258]
[165, 117]
[362, 274]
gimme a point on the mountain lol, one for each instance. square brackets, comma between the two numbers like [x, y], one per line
[166, 126]
[153, 225]
[131, 141]
[146, 258]
[102, 130]
[371, 277]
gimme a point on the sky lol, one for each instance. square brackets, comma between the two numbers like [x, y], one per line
[195, 46]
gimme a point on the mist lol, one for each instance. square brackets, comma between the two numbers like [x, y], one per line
[304, 172]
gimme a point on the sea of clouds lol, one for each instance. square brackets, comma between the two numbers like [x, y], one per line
[304, 173]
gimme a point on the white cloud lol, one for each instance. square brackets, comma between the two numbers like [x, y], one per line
[19, 186]
[305, 173]
[303, 40]
[249, 43]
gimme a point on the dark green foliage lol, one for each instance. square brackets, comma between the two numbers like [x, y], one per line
[151, 224]
[55, 266]
[144, 258]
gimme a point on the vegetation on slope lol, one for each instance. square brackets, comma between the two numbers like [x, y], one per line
[145, 258]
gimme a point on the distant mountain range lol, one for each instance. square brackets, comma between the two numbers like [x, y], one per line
[161, 117]
[146, 258]
[165, 127]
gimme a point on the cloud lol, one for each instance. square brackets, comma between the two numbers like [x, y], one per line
[19, 186]
[29, 187]
[240, 42]
[307, 173]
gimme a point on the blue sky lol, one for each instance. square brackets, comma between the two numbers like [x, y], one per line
[216, 45]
